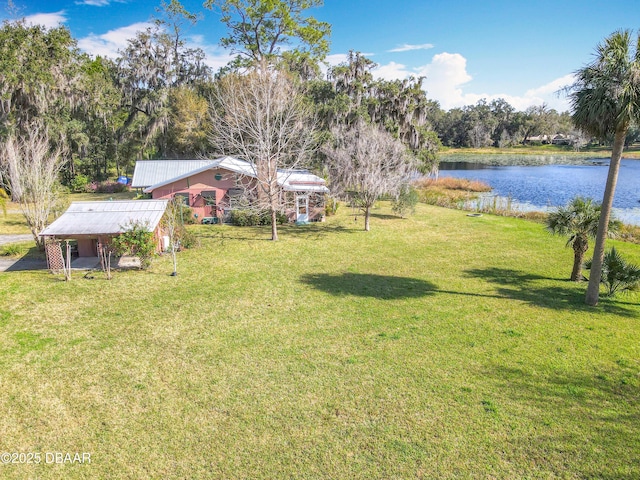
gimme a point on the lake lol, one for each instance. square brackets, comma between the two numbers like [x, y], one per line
[542, 187]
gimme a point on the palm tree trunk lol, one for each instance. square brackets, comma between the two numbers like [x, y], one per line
[593, 290]
[580, 246]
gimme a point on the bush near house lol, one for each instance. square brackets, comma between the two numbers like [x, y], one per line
[252, 218]
[137, 241]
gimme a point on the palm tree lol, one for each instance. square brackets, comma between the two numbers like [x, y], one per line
[606, 101]
[618, 275]
[579, 221]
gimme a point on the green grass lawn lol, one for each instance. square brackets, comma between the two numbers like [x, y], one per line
[438, 346]
[564, 150]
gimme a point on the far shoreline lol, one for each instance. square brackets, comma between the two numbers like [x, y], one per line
[533, 155]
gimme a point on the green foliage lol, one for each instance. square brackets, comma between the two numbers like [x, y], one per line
[186, 217]
[406, 201]
[251, 218]
[187, 238]
[13, 250]
[257, 30]
[331, 206]
[4, 199]
[136, 240]
[79, 183]
[37, 68]
[106, 187]
[578, 221]
[617, 274]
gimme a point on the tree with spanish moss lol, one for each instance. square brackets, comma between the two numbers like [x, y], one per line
[366, 162]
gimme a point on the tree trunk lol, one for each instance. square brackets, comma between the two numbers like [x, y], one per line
[274, 225]
[593, 290]
[367, 216]
[580, 246]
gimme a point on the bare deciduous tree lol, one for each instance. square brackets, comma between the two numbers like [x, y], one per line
[172, 223]
[261, 118]
[368, 162]
[29, 168]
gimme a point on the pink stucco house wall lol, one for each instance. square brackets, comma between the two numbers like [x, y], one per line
[211, 187]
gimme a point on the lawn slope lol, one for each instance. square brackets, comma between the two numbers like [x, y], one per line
[438, 346]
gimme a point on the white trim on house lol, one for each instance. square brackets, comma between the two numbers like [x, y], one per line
[290, 180]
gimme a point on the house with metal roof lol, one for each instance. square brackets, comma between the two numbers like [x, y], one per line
[93, 223]
[212, 188]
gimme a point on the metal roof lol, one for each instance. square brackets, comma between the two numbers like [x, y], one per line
[106, 217]
[291, 180]
[301, 181]
[150, 172]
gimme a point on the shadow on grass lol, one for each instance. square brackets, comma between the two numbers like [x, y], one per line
[535, 289]
[384, 216]
[384, 287]
[31, 259]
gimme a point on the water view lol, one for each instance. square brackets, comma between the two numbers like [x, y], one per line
[541, 187]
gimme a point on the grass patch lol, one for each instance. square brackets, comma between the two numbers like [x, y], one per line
[13, 224]
[437, 346]
[565, 151]
[14, 249]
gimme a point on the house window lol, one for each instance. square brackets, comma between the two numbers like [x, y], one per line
[235, 197]
[209, 197]
[184, 197]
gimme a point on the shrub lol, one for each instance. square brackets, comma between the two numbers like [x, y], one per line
[13, 250]
[79, 183]
[187, 215]
[331, 206]
[406, 201]
[251, 218]
[106, 187]
[136, 240]
[187, 239]
[617, 274]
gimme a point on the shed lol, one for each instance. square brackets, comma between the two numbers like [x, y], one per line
[90, 223]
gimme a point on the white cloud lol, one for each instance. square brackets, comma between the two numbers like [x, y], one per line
[553, 92]
[108, 44]
[392, 71]
[336, 59]
[48, 20]
[408, 47]
[94, 3]
[216, 56]
[447, 82]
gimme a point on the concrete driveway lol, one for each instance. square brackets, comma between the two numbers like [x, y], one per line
[25, 237]
[9, 264]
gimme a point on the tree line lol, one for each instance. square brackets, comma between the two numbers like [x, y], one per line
[153, 100]
[65, 113]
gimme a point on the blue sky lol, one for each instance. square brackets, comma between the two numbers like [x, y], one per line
[522, 51]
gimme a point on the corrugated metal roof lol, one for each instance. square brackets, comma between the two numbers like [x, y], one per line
[150, 172]
[301, 181]
[291, 180]
[108, 217]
